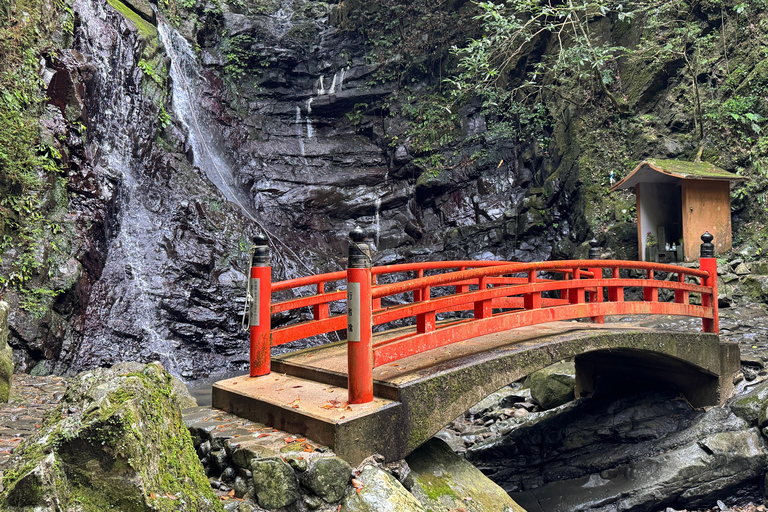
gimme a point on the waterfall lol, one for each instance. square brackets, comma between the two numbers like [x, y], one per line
[207, 147]
[377, 219]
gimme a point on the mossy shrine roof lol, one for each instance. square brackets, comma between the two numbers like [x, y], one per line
[671, 171]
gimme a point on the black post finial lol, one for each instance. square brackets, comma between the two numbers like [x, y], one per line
[594, 250]
[359, 251]
[707, 247]
[260, 250]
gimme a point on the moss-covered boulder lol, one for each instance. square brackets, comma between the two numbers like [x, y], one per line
[553, 386]
[378, 491]
[747, 406]
[6, 354]
[275, 483]
[327, 477]
[117, 442]
[755, 288]
[445, 481]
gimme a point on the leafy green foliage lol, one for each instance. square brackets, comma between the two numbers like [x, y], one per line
[28, 168]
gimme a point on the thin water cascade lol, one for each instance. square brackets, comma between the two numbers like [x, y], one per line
[124, 301]
[207, 148]
[310, 128]
[377, 219]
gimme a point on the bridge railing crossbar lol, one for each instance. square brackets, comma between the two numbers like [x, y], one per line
[499, 295]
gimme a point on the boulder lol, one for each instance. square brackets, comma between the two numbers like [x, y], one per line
[747, 406]
[380, 492]
[243, 453]
[445, 481]
[553, 386]
[6, 355]
[117, 442]
[755, 287]
[327, 477]
[275, 483]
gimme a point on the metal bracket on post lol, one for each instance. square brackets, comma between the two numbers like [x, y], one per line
[359, 320]
[597, 273]
[260, 295]
[708, 263]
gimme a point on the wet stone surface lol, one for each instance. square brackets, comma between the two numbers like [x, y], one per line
[31, 397]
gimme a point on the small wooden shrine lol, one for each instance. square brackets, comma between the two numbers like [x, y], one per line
[677, 201]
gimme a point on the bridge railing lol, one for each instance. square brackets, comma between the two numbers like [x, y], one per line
[482, 297]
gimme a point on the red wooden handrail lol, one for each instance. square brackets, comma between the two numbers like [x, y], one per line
[506, 295]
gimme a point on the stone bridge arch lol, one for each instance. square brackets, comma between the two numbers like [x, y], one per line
[699, 364]
[418, 397]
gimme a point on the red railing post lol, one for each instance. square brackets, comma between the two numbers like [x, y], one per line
[425, 322]
[681, 296]
[376, 302]
[532, 300]
[483, 308]
[320, 311]
[462, 288]
[576, 295]
[615, 293]
[359, 320]
[260, 297]
[597, 273]
[650, 294]
[708, 263]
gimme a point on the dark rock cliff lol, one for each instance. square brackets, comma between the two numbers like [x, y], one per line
[186, 126]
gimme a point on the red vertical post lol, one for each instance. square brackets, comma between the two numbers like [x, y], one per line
[462, 288]
[708, 263]
[376, 302]
[483, 308]
[650, 294]
[597, 273]
[681, 296]
[532, 300]
[260, 297]
[425, 322]
[615, 293]
[320, 311]
[576, 295]
[359, 320]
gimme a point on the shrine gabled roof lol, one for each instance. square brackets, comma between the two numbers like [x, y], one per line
[670, 171]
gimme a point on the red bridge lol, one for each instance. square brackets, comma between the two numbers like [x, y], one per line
[425, 341]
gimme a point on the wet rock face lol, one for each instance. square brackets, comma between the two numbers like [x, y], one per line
[283, 127]
[159, 262]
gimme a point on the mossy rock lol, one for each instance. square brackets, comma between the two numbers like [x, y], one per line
[747, 406]
[327, 477]
[126, 447]
[275, 483]
[380, 492]
[553, 386]
[446, 481]
[755, 287]
[6, 354]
